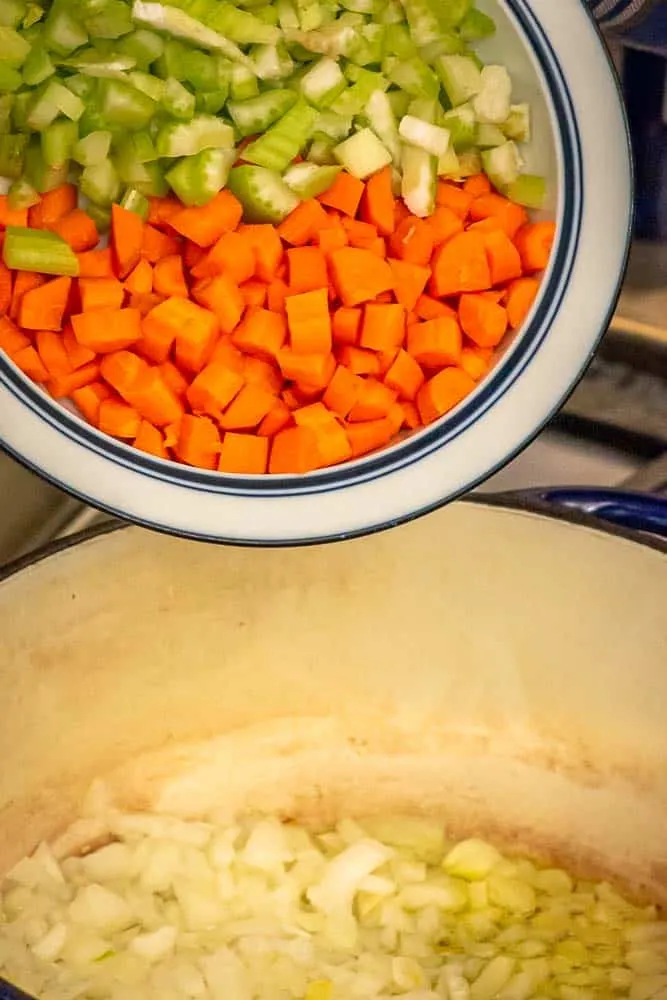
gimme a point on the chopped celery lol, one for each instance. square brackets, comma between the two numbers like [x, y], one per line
[362, 154]
[122, 104]
[21, 105]
[112, 21]
[243, 83]
[80, 85]
[38, 250]
[321, 150]
[449, 164]
[425, 109]
[517, 125]
[178, 24]
[33, 15]
[488, 136]
[147, 84]
[502, 164]
[528, 190]
[211, 102]
[451, 13]
[205, 71]
[398, 42]
[58, 141]
[13, 47]
[382, 120]
[323, 83]
[400, 102]
[389, 12]
[101, 216]
[272, 62]
[415, 77]
[6, 102]
[12, 13]
[240, 26]
[38, 173]
[476, 25]
[62, 32]
[448, 43]
[424, 135]
[335, 126]
[307, 180]
[143, 46]
[492, 103]
[419, 181]
[470, 163]
[284, 140]
[257, 114]
[10, 79]
[22, 195]
[263, 193]
[90, 62]
[12, 150]
[462, 126]
[423, 21]
[177, 100]
[287, 16]
[190, 138]
[54, 99]
[460, 76]
[92, 149]
[268, 15]
[100, 183]
[197, 179]
[354, 100]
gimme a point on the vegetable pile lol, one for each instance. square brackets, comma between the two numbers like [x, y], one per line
[372, 909]
[248, 348]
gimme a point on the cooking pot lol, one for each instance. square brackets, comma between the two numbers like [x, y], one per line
[500, 664]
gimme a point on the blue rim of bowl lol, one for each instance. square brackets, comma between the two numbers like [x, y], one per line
[425, 442]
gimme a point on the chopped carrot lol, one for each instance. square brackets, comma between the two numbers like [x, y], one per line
[198, 442]
[24, 281]
[429, 308]
[174, 378]
[276, 294]
[144, 303]
[261, 372]
[118, 419]
[442, 393]
[261, 333]
[181, 322]
[122, 371]
[344, 194]
[413, 241]
[386, 360]
[162, 210]
[343, 391]
[232, 254]
[378, 246]
[150, 440]
[333, 443]
[409, 281]
[521, 295]
[306, 269]
[155, 244]
[444, 224]
[436, 342]
[52, 353]
[42, 308]
[378, 205]
[214, 389]
[77, 354]
[454, 197]
[204, 226]
[461, 265]
[346, 324]
[78, 229]
[503, 257]
[534, 243]
[369, 435]
[475, 362]
[248, 408]
[303, 224]
[6, 286]
[278, 417]
[477, 185]
[88, 399]
[168, 277]
[361, 234]
[253, 294]
[96, 264]
[359, 275]
[484, 322]
[140, 280]
[171, 434]
[61, 386]
[127, 237]
[244, 454]
[53, 206]
[332, 238]
[510, 216]
[104, 330]
[153, 399]
[223, 297]
[294, 450]
[411, 418]
[383, 327]
[310, 371]
[30, 363]
[359, 361]
[11, 216]
[100, 293]
[267, 248]
[374, 401]
[405, 376]
[309, 322]
[230, 356]
[192, 254]
[11, 338]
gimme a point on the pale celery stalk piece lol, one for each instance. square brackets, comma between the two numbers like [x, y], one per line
[382, 120]
[517, 125]
[503, 164]
[419, 180]
[176, 23]
[493, 101]
[460, 76]
[263, 193]
[488, 136]
[307, 180]
[424, 135]
[363, 154]
[449, 165]
[323, 83]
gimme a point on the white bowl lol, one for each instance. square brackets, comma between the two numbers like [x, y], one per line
[580, 143]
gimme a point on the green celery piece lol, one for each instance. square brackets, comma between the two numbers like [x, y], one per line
[197, 179]
[6, 103]
[415, 77]
[354, 100]
[177, 100]
[449, 164]
[142, 45]
[528, 190]
[419, 181]
[10, 79]
[492, 104]
[488, 136]
[243, 83]
[423, 20]
[334, 40]
[113, 21]
[448, 43]
[14, 49]
[400, 102]
[257, 114]
[189, 138]
[263, 193]
[101, 216]
[153, 184]
[12, 150]
[307, 180]
[359, 6]
[135, 201]
[38, 250]
[284, 140]
[323, 83]
[100, 183]
[90, 62]
[423, 134]
[204, 72]
[321, 150]
[382, 120]
[123, 105]
[22, 195]
[51, 101]
[518, 125]
[58, 142]
[38, 173]
[92, 149]
[476, 25]
[21, 105]
[460, 77]
[240, 26]
[178, 24]
[272, 62]
[335, 126]
[211, 102]
[389, 12]
[147, 84]
[33, 15]
[63, 33]
[362, 154]
[502, 164]
[267, 15]
[38, 66]
[310, 14]
[12, 13]
[172, 59]
[452, 13]
[287, 15]
[398, 42]
[462, 126]
[81, 85]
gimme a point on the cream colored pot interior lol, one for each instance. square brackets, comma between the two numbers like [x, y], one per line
[498, 669]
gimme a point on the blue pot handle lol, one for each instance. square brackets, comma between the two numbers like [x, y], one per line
[637, 511]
